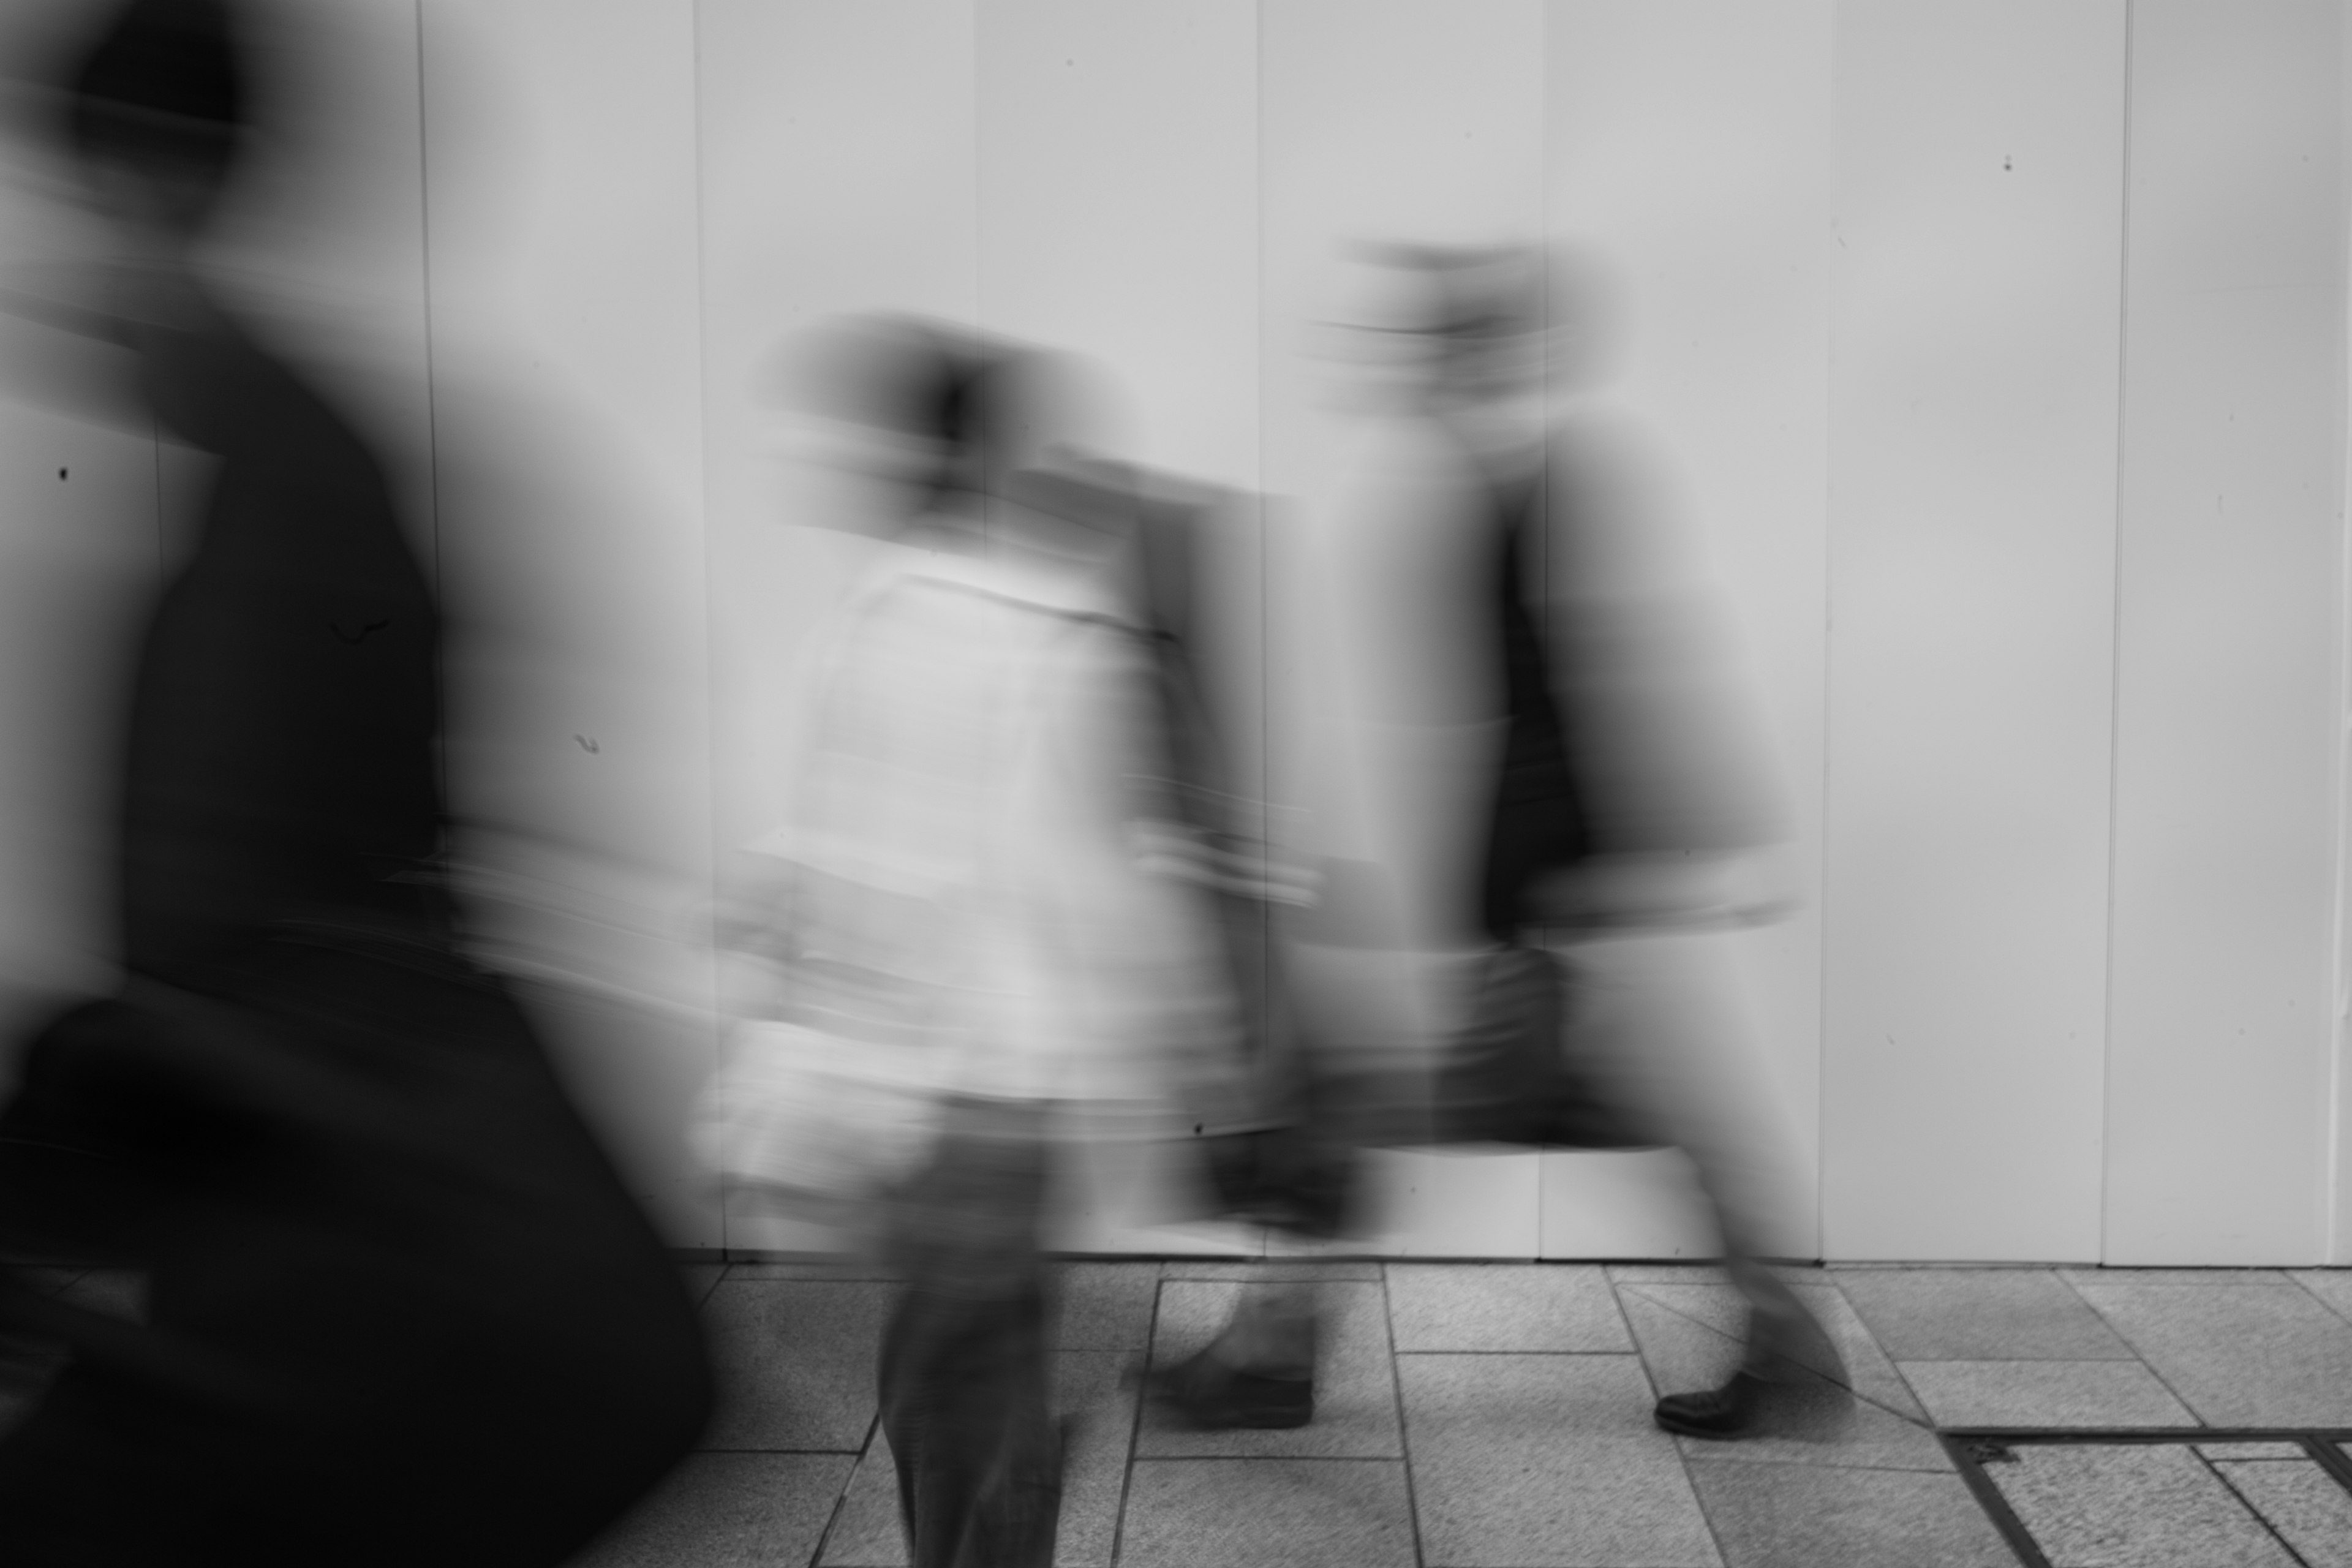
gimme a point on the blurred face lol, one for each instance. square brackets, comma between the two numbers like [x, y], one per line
[1393, 352]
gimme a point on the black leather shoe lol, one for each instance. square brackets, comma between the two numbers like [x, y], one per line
[1731, 1412]
[1213, 1397]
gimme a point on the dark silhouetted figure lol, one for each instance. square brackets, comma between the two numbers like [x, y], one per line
[401, 1310]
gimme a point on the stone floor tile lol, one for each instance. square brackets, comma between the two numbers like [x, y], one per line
[843, 1268]
[1503, 1307]
[2044, 1393]
[1814, 1422]
[2090, 1276]
[2143, 1505]
[1353, 1270]
[795, 1363]
[1530, 1460]
[1980, 1314]
[866, 1533]
[2290, 1451]
[2308, 1507]
[2333, 1286]
[1665, 1273]
[1267, 1514]
[1788, 1516]
[1105, 1306]
[1860, 1364]
[1355, 1388]
[727, 1511]
[2239, 1355]
[1092, 1390]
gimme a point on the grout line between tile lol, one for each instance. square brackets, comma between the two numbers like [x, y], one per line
[2137, 1354]
[1404, 1435]
[2316, 1296]
[1135, 1422]
[841, 1498]
[1856, 1393]
[2248, 1504]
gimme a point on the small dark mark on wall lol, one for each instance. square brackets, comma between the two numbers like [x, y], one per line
[362, 634]
[61, 473]
[2006, 163]
[587, 744]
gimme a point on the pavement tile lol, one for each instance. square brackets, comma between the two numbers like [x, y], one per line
[2290, 1451]
[843, 1268]
[2333, 1286]
[865, 1533]
[1861, 1365]
[1105, 1306]
[1665, 1273]
[2239, 1355]
[2309, 1509]
[1354, 1387]
[1273, 1270]
[2044, 1393]
[1813, 1422]
[1267, 1514]
[2143, 1505]
[727, 1511]
[1503, 1307]
[2100, 1276]
[1780, 1516]
[1534, 1460]
[1091, 1388]
[1972, 1314]
[795, 1363]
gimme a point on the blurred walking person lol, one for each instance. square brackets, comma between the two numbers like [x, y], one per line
[1564, 789]
[401, 1308]
[960, 956]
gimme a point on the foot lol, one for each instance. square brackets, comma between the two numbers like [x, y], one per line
[1213, 1395]
[1729, 1412]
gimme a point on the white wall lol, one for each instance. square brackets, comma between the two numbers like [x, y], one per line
[1997, 355]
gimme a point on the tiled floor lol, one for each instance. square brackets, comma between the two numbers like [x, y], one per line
[1495, 1416]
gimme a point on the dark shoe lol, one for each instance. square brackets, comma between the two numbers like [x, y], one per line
[1213, 1397]
[1727, 1413]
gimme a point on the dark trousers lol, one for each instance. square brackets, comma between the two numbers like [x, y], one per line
[964, 1369]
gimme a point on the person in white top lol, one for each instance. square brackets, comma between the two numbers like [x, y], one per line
[962, 911]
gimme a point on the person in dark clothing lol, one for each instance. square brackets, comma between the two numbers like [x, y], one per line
[1533, 658]
[401, 1308]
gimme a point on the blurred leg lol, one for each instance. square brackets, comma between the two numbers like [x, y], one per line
[963, 1370]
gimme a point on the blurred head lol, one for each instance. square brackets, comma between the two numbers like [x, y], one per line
[940, 411]
[154, 113]
[1434, 327]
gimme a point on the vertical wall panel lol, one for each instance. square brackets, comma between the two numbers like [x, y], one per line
[2230, 533]
[1417, 121]
[839, 159]
[1689, 154]
[560, 175]
[1117, 214]
[1972, 407]
[838, 165]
